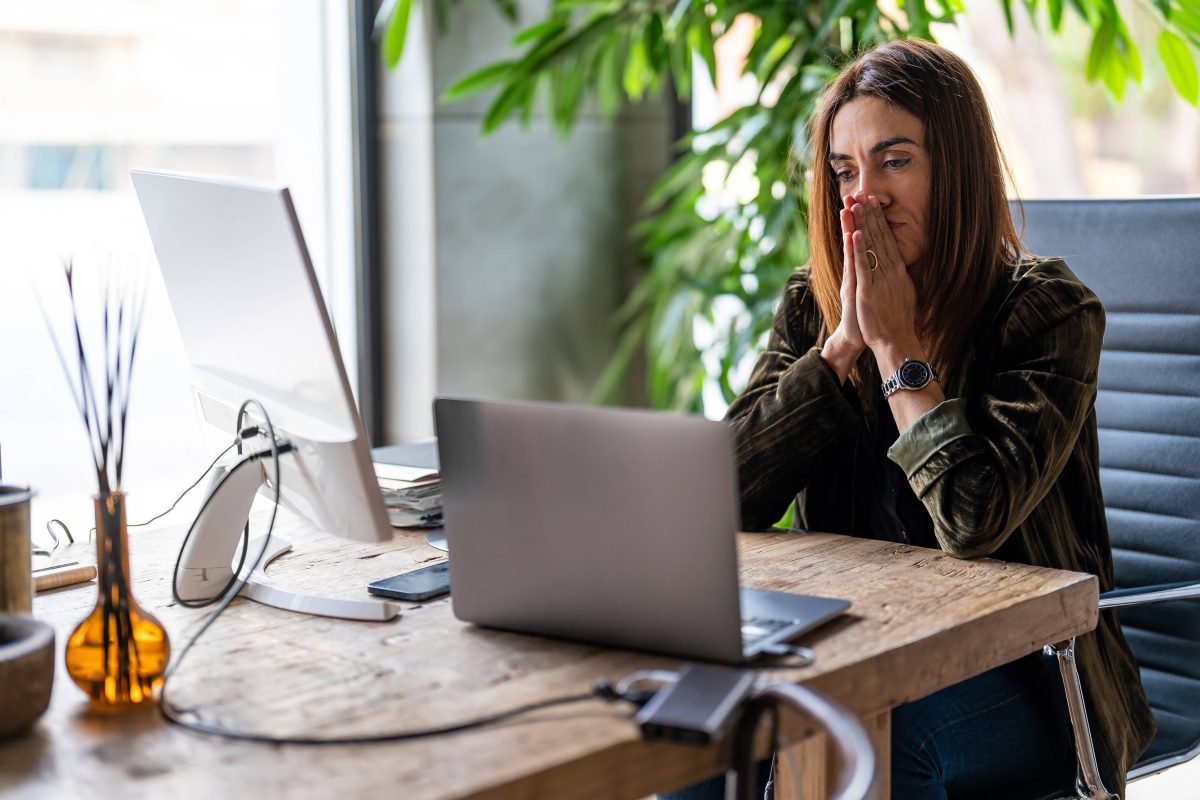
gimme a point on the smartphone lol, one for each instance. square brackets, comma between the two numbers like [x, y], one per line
[420, 584]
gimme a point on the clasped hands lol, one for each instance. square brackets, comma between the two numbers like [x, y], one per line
[879, 298]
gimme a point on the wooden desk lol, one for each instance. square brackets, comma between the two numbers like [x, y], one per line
[920, 621]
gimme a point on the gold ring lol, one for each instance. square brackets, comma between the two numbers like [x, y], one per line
[874, 260]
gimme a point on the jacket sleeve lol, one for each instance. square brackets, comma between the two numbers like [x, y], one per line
[980, 465]
[791, 413]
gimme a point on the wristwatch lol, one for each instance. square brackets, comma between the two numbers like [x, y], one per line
[912, 374]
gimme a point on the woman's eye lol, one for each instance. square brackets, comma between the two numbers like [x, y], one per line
[896, 163]
[844, 175]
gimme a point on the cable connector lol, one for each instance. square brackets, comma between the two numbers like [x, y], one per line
[698, 706]
[281, 447]
[611, 694]
[250, 432]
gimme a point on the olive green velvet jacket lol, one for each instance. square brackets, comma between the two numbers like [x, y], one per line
[1006, 467]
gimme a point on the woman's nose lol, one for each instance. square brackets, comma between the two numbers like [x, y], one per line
[869, 185]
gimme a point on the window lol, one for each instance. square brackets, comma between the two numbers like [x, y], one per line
[257, 91]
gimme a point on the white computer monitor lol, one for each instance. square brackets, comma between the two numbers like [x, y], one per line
[254, 325]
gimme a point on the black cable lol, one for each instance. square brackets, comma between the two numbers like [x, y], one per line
[227, 596]
[243, 434]
[602, 690]
[231, 589]
[185, 491]
[395, 736]
[217, 596]
[156, 517]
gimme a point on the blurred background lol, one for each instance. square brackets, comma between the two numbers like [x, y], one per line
[497, 262]
[452, 261]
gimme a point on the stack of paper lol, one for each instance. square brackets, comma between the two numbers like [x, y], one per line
[412, 495]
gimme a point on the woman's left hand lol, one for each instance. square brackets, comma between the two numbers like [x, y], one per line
[886, 295]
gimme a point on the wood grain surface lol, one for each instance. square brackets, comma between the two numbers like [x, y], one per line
[920, 621]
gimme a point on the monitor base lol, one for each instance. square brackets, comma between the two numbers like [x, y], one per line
[437, 539]
[257, 590]
[364, 611]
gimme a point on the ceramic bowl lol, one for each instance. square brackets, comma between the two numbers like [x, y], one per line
[26, 671]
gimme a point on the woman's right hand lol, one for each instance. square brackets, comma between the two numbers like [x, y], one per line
[845, 344]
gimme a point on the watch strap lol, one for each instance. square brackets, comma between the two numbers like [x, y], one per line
[893, 383]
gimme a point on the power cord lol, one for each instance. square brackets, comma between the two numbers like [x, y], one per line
[50, 524]
[235, 584]
[394, 736]
[195, 483]
[178, 716]
[624, 691]
[278, 448]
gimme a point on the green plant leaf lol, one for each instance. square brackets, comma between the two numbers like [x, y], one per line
[655, 51]
[1055, 9]
[1091, 10]
[1115, 75]
[636, 67]
[680, 58]
[543, 30]
[510, 97]
[608, 77]
[1101, 50]
[397, 32]
[1181, 68]
[1008, 15]
[548, 52]
[918, 16]
[834, 17]
[1187, 19]
[569, 97]
[700, 38]
[441, 12]
[478, 80]
[508, 8]
[1133, 59]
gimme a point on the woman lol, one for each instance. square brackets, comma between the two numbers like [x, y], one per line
[926, 381]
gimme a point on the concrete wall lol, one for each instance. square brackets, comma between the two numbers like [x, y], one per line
[506, 256]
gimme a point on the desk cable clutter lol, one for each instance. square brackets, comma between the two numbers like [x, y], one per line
[699, 703]
[696, 705]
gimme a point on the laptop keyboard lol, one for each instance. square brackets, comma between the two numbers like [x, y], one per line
[755, 629]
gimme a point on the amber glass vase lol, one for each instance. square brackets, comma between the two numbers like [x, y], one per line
[119, 653]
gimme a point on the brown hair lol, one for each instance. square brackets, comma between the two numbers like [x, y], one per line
[971, 238]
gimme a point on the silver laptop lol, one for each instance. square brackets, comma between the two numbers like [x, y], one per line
[607, 526]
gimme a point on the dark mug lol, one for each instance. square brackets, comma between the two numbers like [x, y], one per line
[26, 671]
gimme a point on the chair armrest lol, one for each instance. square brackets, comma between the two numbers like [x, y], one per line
[1140, 595]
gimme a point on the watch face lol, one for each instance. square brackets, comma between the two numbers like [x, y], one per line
[914, 374]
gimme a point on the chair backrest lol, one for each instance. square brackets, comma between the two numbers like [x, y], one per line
[1142, 257]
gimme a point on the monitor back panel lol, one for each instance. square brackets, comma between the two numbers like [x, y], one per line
[601, 525]
[254, 325]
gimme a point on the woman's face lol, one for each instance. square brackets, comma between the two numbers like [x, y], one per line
[878, 149]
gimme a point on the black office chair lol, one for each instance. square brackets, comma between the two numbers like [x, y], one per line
[1142, 257]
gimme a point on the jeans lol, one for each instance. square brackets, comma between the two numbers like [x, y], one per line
[1002, 734]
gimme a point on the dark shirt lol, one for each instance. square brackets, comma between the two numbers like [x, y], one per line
[899, 515]
[1008, 466]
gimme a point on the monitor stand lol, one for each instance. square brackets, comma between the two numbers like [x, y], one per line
[207, 563]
